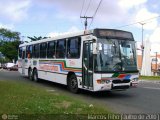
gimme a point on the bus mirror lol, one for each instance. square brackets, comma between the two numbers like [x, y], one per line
[95, 48]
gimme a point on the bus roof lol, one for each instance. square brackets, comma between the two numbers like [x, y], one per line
[68, 35]
[95, 31]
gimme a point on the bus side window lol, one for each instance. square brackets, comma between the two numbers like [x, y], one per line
[29, 51]
[43, 48]
[61, 49]
[51, 49]
[36, 51]
[74, 45]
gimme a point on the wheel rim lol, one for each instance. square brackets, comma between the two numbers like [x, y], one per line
[30, 74]
[73, 83]
[35, 76]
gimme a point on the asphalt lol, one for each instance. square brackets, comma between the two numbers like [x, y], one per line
[143, 99]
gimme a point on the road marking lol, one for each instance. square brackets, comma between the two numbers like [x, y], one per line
[151, 88]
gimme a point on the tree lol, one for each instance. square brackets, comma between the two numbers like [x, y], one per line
[37, 38]
[8, 35]
[9, 43]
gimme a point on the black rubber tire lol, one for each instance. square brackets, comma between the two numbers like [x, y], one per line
[73, 84]
[30, 74]
[35, 75]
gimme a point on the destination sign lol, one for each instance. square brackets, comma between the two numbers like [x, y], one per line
[115, 33]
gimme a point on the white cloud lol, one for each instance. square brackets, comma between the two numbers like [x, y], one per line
[155, 37]
[155, 48]
[15, 10]
[144, 14]
[155, 40]
[71, 30]
[131, 3]
[8, 26]
[109, 11]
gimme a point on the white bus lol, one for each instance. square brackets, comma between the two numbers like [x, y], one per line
[99, 60]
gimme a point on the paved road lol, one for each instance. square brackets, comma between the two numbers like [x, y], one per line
[144, 99]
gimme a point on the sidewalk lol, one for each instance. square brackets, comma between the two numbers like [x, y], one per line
[149, 81]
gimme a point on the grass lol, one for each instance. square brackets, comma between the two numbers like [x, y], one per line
[150, 77]
[26, 99]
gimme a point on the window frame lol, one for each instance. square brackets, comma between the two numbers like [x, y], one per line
[78, 39]
[36, 54]
[29, 51]
[49, 50]
[61, 50]
[43, 50]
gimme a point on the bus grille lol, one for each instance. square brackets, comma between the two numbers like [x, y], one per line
[120, 81]
[120, 87]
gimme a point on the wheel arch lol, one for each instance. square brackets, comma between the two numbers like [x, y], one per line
[29, 68]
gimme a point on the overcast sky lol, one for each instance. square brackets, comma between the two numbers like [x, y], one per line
[53, 17]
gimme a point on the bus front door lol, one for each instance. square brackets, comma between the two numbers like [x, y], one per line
[23, 62]
[87, 79]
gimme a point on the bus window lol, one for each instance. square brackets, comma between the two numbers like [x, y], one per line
[43, 48]
[51, 49]
[29, 51]
[73, 50]
[20, 52]
[60, 49]
[36, 51]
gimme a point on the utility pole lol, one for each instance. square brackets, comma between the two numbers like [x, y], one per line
[142, 41]
[86, 22]
[156, 61]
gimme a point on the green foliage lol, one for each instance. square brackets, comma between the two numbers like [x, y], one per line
[2, 60]
[24, 98]
[10, 49]
[7, 35]
[150, 77]
[9, 42]
[37, 38]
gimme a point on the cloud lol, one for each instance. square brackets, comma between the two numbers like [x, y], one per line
[71, 9]
[14, 10]
[7, 26]
[155, 41]
[155, 36]
[71, 30]
[131, 3]
[144, 14]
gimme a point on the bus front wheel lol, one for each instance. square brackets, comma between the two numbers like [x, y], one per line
[73, 84]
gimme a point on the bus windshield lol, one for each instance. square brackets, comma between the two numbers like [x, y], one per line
[115, 55]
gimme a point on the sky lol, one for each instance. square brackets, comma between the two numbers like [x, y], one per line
[55, 17]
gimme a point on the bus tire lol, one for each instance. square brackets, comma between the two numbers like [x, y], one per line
[30, 74]
[72, 83]
[35, 75]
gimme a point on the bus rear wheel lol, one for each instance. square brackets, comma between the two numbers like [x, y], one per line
[35, 75]
[73, 84]
[30, 74]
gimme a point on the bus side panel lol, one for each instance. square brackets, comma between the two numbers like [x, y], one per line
[57, 70]
[53, 77]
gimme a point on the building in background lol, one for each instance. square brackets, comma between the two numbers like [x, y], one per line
[155, 63]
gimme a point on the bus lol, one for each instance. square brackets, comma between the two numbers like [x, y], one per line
[94, 60]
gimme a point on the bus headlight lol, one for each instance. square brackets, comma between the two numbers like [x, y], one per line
[99, 81]
[108, 81]
[135, 80]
